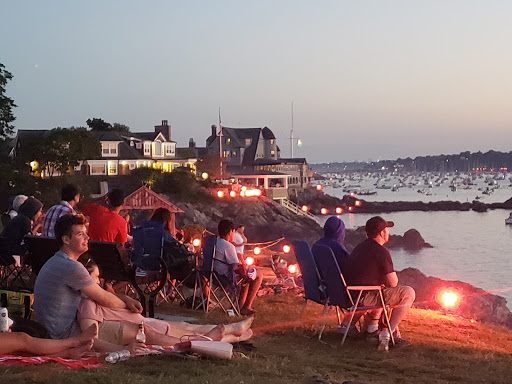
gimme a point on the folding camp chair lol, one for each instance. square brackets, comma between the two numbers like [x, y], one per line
[339, 293]
[314, 290]
[217, 287]
[147, 261]
[39, 250]
[13, 275]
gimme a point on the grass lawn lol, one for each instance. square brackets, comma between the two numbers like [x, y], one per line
[445, 349]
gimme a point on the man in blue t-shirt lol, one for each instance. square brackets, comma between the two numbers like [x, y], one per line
[370, 264]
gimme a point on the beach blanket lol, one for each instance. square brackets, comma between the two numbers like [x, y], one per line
[86, 362]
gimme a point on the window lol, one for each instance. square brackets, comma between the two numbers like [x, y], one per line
[226, 153]
[147, 148]
[98, 169]
[109, 149]
[272, 141]
[112, 168]
[158, 148]
[272, 153]
[234, 153]
[228, 140]
[138, 145]
[248, 142]
[169, 150]
[132, 166]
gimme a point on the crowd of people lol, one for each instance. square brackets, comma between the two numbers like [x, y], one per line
[79, 314]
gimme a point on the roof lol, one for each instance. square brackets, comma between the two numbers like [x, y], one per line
[267, 133]
[256, 173]
[145, 198]
[107, 135]
[296, 160]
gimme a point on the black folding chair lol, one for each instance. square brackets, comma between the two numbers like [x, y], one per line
[13, 276]
[39, 250]
[339, 293]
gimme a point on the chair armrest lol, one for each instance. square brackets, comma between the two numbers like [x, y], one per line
[364, 287]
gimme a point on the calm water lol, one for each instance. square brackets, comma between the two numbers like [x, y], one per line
[468, 246]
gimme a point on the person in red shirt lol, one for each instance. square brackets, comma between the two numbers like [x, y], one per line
[105, 223]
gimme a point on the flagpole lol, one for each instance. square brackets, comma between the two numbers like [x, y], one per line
[291, 135]
[220, 148]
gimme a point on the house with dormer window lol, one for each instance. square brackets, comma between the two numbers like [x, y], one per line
[122, 152]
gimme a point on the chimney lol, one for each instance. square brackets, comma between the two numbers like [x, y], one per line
[191, 143]
[214, 130]
[164, 129]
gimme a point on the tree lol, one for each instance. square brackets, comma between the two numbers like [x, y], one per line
[6, 105]
[210, 163]
[122, 128]
[98, 124]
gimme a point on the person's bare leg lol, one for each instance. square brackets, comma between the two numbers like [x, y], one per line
[254, 286]
[16, 342]
[230, 338]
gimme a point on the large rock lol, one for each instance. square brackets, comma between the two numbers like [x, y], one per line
[474, 303]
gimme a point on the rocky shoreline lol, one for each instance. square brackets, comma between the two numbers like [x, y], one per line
[317, 199]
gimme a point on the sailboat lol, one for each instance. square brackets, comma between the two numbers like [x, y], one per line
[508, 220]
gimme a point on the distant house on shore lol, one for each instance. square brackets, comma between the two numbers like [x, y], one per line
[122, 152]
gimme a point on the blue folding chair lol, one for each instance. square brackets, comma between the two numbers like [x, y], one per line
[147, 261]
[314, 290]
[339, 293]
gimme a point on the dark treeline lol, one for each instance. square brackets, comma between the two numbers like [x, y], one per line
[462, 162]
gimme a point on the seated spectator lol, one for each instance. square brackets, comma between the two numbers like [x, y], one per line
[118, 327]
[225, 252]
[22, 224]
[63, 280]
[334, 236]
[105, 223]
[163, 215]
[70, 197]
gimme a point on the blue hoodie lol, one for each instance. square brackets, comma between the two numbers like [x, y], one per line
[334, 236]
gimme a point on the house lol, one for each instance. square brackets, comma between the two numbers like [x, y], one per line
[297, 168]
[122, 152]
[242, 146]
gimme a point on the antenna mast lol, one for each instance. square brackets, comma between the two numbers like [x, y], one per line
[220, 147]
[291, 135]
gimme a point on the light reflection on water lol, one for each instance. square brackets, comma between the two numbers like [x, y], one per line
[468, 246]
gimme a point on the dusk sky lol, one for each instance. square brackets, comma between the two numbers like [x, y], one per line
[368, 79]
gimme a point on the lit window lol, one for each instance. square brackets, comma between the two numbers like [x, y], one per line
[272, 153]
[98, 169]
[228, 140]
[248, 142]
[109, 149]
[272, 141]
[132, 166]
[234, 153]
[226, 153]
[112, 168]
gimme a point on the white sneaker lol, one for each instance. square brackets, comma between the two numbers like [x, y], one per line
[384, 338]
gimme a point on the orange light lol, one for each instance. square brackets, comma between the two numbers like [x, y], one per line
[448, 298]
[319, 187]
[232, 194]
[220, 194]
[196, 242]
[244, 188]
[350, 208]
[286, 248]
[305, 208]
[292, 268]
[352, 194]
[257, 250]
[323, 211]
[242, 193]
[249, 260]
[339, 210]
[253, 192]
[357, 203]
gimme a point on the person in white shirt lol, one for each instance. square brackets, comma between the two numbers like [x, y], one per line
[226, 253]
[239, 241]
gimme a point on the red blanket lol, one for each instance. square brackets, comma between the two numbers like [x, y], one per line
[84, 362]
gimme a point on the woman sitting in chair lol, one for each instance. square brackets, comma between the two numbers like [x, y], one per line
[121, 326]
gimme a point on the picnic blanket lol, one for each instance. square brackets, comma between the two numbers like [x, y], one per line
[86, 362]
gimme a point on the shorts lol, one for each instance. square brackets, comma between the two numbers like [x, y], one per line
[111, 331]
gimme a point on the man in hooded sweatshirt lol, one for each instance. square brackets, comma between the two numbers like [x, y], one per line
[334, 236]
[22, 224]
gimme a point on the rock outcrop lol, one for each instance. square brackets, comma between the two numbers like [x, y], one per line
[474, 303]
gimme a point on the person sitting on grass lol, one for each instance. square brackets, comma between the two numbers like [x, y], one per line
[226, 257]
[118, 327]
[19, 343]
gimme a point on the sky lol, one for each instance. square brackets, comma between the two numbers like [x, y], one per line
[369, 80]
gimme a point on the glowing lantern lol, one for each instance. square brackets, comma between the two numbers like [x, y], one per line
[244, 188]
[350, 209]
[292, 268]
[352, 194]
[305, 208]
[257, 250]
[319, 187]
[249, 260]
[286, 248]
[253, 192]
[196, 242]
[204, 175]
[323, 211]
[33, 165]
[339, 210]
[220, 194]
[242, 193]
[232, 194]
[449, 299]
[357, 203]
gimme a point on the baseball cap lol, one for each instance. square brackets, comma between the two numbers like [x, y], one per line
[375, 225]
